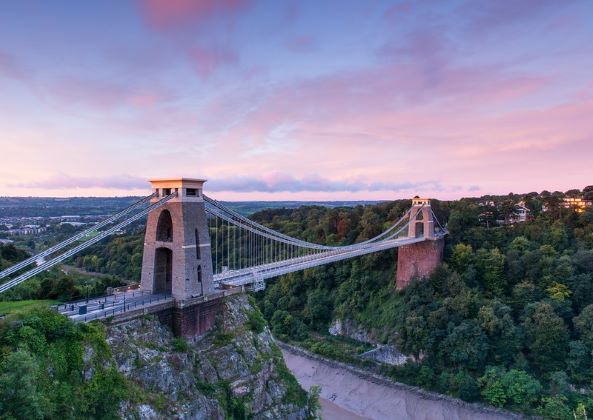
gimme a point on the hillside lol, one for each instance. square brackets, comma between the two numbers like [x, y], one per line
[507, 319]
[52, 368]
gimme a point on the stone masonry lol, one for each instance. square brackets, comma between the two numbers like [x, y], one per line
[418, 261]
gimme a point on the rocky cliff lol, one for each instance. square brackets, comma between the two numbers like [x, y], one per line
[235, 371]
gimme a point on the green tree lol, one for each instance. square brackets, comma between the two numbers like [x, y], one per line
[19, 395]
[465, 346]
[558, 291]
[584, 324]
[462, 258]
[492, 268]
[318, 310]
[546, 338]
[514, 387]
[555, 408]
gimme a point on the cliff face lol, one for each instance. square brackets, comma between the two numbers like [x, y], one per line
[234, 371]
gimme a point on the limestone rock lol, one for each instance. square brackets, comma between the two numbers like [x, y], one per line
[230, 368]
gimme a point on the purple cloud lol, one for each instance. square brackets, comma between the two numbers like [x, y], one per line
[287, 183]
[66, 182]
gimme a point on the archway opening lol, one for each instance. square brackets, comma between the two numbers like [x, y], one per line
[419, 230]
[164, 228]
[163, 271]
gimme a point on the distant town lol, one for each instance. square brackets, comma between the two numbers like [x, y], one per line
[26, 218]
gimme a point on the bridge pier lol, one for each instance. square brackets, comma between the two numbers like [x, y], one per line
[195, 319]
[418, 260]
[421, 259]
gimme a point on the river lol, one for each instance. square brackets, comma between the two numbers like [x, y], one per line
[348, 393]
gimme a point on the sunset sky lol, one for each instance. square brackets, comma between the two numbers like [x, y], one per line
[296, 99]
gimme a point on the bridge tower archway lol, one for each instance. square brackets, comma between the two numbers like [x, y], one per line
[164, 229]
[163, 271]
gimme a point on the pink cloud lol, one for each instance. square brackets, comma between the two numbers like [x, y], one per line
[169, 13]
[66, 182]
[10, 68]
[208, 61]
[105, 95]
[492, 15]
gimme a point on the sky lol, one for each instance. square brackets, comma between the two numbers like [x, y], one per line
[296, 100]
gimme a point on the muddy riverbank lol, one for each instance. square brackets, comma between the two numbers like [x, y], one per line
[351, 393]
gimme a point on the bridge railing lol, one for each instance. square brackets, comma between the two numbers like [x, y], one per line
[122, 308]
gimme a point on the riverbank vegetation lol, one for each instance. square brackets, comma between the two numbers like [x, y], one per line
[507, 319]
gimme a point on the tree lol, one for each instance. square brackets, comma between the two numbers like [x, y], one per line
[491, 265]
[462, 258]
[465, 386]
[574, 193]
[507, 210]
[558, 291]
[466, 346]
[555, 408]
[546, 338]
[319, 308]
[414, 335]
[503, 336]
[19, 396]
[520, 244]
[584, 324]
[463, 217]
[579, 362]
[515, 387]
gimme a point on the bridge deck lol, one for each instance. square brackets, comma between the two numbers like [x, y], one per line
[129, 305]
[250, 275]
[113, 305]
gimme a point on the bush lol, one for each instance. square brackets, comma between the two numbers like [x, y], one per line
[180, 345]
[41, 369]
[515, 388]
[256, 321]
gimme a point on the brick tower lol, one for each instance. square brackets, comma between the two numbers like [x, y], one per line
[419, 260]
[177, 256]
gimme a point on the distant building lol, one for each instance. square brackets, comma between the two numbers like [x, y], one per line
[75, 224]
[521, 213]
[577, 204]
[70, 218]
[27, 230]
[488, 203]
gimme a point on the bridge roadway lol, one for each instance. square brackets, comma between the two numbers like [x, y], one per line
[112, 305]
[131, 304]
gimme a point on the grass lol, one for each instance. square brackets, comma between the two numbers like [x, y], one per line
[20, 306]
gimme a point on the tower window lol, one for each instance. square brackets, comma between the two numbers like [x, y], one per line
[197, 244]
[191, 192]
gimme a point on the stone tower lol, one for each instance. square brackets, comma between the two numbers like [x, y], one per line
[419, 260]
[177, 256]
[421, 220]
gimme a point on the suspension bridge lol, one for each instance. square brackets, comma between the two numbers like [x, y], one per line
[196, 250]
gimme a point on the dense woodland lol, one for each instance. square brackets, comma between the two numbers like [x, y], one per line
[507, 319]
